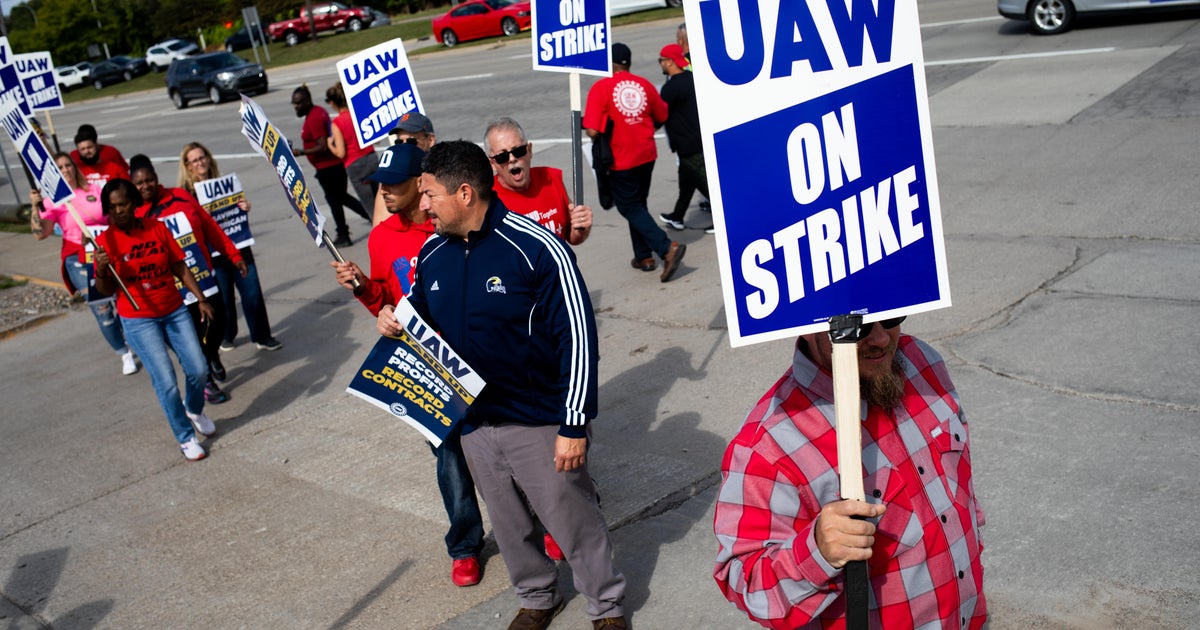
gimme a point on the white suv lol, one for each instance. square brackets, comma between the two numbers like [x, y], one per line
[68, 77]
[160, 55]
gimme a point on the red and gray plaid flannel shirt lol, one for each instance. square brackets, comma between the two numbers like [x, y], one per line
[780, 469]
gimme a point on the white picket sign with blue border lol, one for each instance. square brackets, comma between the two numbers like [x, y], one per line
[36, 71]
[819, 152]
[14, 117]
[380, 88]
[571, 36]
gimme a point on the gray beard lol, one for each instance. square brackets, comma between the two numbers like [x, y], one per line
[887, 390]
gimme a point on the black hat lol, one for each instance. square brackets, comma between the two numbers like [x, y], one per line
[621, 54]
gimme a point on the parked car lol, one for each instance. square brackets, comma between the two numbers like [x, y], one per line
[115, 70]
[621, 7]
[1051, 17]
[328, 16]
[68, 77]
[215, 76]
[160, 55]
[240, 40]
[85, 67]
[381, 18]
[481, 18]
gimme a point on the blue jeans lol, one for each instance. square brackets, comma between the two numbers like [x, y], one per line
[630, 190]
[464, 539]
[150, 338]
[104, 312]
[253, 305]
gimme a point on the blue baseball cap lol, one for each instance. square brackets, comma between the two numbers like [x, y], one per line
[398, 164]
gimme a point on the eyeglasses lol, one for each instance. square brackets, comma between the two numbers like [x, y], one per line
[198, 160]
[864, 331]
[516, 152]
[408, 140]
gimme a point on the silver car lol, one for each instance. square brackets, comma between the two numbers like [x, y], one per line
[1050, 17]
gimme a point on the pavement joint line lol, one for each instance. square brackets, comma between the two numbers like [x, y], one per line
[661, 323]
[28, 612]
[1096, 396]
[669, 502]
[29, 324]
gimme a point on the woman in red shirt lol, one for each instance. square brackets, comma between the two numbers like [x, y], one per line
[74, 270]
[360, 161]
[148, 260]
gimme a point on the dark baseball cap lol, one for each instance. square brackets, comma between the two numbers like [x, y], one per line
[621, 54]
[398, 164]
[414, 122]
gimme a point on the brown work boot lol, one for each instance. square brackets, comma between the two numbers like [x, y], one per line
[610, 623]
[535, 618]
[672, 259]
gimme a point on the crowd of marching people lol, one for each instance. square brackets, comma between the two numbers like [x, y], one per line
[522, 445]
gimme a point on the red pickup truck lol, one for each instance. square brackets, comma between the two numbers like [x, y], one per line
[327, 16]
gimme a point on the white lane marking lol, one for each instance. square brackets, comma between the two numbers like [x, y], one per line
[966, 21]
[463, 78]
[1058, 53]
[118, 109]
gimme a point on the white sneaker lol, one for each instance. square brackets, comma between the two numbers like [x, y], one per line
[192, 450]
[202, 424]
[672, 223]
[128, 365]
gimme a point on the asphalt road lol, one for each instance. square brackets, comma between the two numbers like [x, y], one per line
[1065, 168]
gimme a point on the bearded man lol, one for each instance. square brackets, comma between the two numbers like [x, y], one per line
[784, 532]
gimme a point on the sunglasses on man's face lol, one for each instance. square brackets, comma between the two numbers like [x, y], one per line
[864, 331]
[408, 140]
[515, 152]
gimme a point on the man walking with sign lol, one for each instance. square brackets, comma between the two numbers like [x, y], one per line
[331, 174]
[516, 310]
[393, 246]
[786, 535]
[633, 106]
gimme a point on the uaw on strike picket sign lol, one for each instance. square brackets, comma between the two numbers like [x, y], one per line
[571, 36]
[819, 152]
[220, 197]
[379, 89]
[418, 378]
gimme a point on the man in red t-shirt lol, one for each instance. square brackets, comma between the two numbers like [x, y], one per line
[633, 106]
[394, 245]
[537, 193]
[98, 163]
[331, 174]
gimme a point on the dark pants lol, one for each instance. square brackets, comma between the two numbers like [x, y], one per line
[254, 307]
[630, 190]
[334, 182]
[464, 539]
[692, 177]
[211, 332]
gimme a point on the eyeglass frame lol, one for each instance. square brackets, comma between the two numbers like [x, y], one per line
[864, 330]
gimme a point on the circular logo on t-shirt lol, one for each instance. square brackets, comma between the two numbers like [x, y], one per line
[630, 98]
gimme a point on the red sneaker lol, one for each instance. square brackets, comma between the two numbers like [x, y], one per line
[553, 551]
[465, 572]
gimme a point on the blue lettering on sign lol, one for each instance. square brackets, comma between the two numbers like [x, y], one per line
[379, 106]
[381, 63]
[796, 37]
[849, 229]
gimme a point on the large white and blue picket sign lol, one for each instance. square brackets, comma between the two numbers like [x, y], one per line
[820, 162]
[571, 36]
[379, 88]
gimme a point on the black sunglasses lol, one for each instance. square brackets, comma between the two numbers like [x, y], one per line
[408, 140]
[516, 152]
[864, 331]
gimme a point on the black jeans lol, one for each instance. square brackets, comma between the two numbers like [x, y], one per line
[692, 177]
[334, 183]
[630, 189]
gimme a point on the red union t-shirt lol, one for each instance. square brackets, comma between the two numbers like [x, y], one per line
[317, 127]
[143, 257]
[634, 106]
[545, 201]
[354, 150]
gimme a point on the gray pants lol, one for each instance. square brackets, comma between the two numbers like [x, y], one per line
[359, 170]
[511, 459]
